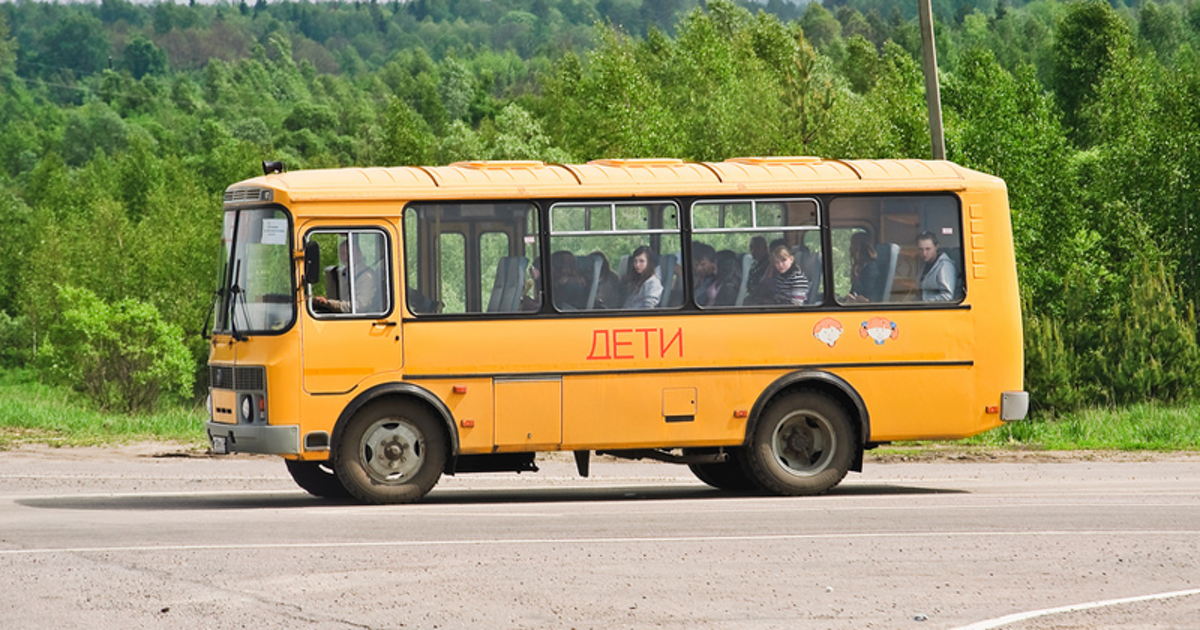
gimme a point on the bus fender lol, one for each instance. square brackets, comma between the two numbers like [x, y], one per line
[822, 381]
[407, 390]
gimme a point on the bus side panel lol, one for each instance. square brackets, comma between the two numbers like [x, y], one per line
[925, 403]
[640, 411]
[470, 401]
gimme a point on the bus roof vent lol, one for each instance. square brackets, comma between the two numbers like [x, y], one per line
[642, 162]
[500, 164]
[248, 195]
[794, 159]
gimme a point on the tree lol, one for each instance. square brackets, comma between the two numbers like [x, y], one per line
[821, 29]
[1161, 28]
[17, 234]
[76, 43]
[8, 48]
[407, 140]
[316, 118]
[861, 64]
[1087, 43]
[142, 57]
[1002, 123]
[93, 127]
[139, 173]
[456, 89]
[519, 137]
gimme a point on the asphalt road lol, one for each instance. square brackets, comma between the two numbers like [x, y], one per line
[103, 539]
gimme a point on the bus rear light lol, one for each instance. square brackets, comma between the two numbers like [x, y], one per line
[460, 389]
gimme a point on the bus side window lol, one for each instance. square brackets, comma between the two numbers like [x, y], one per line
[471, 258]
[356, 284]
[732, 263]
[897, 249]
[596, 248]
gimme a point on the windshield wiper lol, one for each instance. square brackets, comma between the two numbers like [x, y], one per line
[234, 293]
[219, 294]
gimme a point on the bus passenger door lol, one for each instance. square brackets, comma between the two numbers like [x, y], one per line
[528, 414]
[350, 320]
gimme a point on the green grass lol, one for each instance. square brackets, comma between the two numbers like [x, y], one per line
[1143, 427]
[34, 413]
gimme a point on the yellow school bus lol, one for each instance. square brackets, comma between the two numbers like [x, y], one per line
[761, 320]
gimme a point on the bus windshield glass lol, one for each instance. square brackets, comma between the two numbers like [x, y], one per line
[255, 293]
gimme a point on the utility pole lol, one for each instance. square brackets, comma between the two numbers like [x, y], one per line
[933, 95]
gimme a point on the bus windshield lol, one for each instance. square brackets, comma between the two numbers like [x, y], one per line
[255, 292]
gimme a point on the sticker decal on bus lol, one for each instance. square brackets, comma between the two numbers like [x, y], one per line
[827, 331]
[879, 329]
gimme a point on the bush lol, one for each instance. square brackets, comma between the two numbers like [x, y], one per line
[1142, 349]
[1152, 354]
[122, 356]
[16, 341]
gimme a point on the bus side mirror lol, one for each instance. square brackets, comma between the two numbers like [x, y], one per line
[312, 262]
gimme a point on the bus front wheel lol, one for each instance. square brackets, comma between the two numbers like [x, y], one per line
[390, 453]
[317, 478]
[802, 445]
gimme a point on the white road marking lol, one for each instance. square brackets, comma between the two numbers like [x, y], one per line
[590, 541]
[1014, 618]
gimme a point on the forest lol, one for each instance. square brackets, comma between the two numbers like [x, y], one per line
[121, 124]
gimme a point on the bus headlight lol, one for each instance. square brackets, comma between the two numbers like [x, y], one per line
[248, 408]
[208, 404]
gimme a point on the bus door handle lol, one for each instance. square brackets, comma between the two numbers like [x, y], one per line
[384, 324]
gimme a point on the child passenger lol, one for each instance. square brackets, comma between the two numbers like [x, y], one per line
[791, 285]
[642, 287]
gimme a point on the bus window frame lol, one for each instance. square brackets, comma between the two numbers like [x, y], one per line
[917, 304]
[388, 272]
[817, 226]
[424, 239]
[227, 281]
[655, 235]
[613, 210]
[753, 201]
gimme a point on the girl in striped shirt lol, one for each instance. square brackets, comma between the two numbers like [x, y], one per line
[791, 285]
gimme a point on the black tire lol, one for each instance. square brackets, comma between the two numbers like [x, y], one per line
[803, 445]
[390, 452]
[728, 475]
[317, 478]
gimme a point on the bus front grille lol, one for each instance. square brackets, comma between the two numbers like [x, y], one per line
[240, 378]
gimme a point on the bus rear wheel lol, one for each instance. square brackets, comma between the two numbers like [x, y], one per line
[728, 475]
[390, 453]
[317, 479]
[802, 445]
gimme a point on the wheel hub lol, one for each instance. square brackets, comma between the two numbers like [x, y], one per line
[803, 443]
[800, 443]
[392, 450]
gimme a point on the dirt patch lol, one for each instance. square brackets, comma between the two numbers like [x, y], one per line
[133, 450]
[974, 454]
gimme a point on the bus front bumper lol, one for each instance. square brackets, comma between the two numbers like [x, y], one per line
[241, 438]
